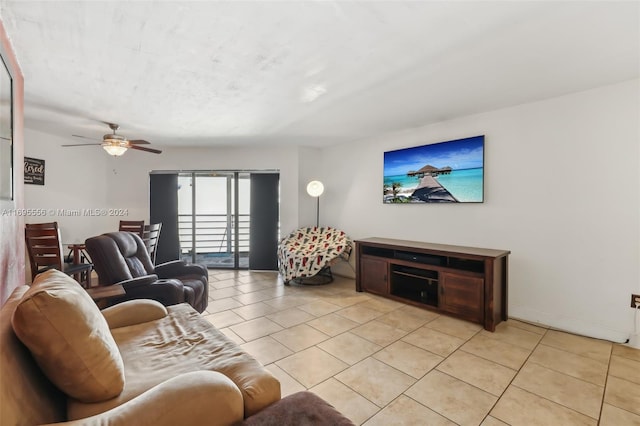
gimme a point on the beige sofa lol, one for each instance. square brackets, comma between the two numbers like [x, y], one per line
[63, 360]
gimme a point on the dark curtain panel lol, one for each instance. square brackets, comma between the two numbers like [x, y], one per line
[264, 215]
[164, 209]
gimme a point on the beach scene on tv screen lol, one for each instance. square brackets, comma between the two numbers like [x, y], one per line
[445, 172]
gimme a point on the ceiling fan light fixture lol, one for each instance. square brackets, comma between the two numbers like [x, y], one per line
[114, 147]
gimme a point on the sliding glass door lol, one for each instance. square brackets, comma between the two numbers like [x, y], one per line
[219, 219]
[213, 218]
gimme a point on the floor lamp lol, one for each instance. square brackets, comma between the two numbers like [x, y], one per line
[315, 188]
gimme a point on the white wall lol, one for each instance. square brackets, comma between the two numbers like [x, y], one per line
[562, 192]
[310, 168]
[74, 180]
[133, 173]
[87, 178]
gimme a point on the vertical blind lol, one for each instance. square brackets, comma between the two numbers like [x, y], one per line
[163, 208]
[263, 228]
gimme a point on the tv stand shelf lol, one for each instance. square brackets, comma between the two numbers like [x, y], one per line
[465, 282]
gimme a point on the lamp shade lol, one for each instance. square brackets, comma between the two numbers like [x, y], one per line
[315, 188]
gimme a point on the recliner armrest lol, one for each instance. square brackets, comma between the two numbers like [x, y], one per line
[133, 312]
[197, 398]
[133, 283]
[171, 263]
[166, 291]
[179, 268]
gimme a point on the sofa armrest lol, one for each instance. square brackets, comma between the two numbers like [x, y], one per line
[197, 398]
[179, 268]
[133, 312]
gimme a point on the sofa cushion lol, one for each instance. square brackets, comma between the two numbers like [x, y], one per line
[69, 338]
[182, 342]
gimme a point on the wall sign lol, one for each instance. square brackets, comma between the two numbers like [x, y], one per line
[33, 171]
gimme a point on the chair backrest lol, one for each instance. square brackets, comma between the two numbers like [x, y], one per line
[135, 226]
[43, 246]
[150, 238]
[119, 256]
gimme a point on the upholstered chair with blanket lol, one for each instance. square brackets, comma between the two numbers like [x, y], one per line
[122, 258]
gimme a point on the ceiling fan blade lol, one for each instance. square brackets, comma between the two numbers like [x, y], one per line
[142, 148]
[84, 137]
[139, 142]
[84, 144]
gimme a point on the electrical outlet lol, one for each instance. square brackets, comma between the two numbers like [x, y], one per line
[635, 298]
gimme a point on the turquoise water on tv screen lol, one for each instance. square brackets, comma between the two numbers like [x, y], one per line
[404, 180]
[465, 185]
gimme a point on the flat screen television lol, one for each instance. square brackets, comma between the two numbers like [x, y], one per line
[445, 172]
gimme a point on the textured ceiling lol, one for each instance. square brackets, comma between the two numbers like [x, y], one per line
[312, 73]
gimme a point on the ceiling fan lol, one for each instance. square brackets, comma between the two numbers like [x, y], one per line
[117, 145]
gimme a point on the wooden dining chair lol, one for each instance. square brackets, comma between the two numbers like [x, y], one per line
[135, 226]
[44, 247]
[150, 238]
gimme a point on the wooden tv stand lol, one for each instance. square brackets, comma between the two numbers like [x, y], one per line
[466, 282]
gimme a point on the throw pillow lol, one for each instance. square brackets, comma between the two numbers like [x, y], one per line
[69, 338]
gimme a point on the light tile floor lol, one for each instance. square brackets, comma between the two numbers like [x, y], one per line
[381, 362]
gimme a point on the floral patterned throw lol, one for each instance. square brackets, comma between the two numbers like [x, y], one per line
[307, 250]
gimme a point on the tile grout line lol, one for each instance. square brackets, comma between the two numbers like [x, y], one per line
[382, 311]
[512, 379]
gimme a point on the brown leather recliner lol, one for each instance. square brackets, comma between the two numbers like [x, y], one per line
[122, 258]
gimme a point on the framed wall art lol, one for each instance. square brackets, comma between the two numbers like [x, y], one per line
[445, 172]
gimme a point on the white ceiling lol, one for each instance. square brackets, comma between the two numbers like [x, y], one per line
[312, 73]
